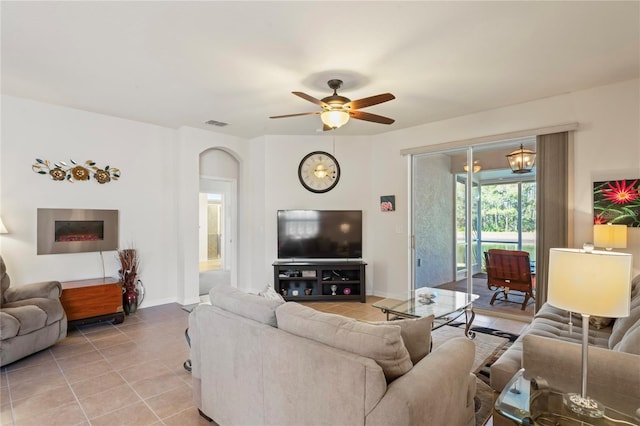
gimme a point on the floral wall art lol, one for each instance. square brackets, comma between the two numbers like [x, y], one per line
[62, 171]
[388, 203]
[617, 202]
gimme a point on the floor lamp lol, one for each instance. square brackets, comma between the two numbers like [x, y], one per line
[589, 283]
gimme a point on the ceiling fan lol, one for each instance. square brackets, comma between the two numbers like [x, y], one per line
[336, 109]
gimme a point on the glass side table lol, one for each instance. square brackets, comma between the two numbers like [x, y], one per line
[532, 402]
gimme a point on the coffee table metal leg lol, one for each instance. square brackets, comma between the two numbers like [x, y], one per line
[468, 321]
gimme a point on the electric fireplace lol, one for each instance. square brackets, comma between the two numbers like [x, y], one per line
[77, 230]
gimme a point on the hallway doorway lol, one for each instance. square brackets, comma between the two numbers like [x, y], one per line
[217, 222]
[211, 226]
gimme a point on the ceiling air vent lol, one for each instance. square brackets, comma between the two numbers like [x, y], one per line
[216, 123]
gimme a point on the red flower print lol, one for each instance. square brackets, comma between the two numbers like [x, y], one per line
[621, 193]
[599, 220]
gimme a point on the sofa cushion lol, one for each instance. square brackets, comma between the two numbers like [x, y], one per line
[246, 305]
[630, 343]
[9, 326]
[30, 317]
[382, 343]
[51, 307]
[416, 335]
[622, 325]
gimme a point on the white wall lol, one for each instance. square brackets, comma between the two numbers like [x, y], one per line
[144, 195]
[158, 193]
[283, 189]
[607, 145]
[191, 143]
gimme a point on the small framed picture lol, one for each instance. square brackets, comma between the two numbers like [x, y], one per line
[387, 203]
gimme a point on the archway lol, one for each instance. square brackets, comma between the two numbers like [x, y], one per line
[219, 171]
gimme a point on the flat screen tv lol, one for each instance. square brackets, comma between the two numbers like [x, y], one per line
[320, 234]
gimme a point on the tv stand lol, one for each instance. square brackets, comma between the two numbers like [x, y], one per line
[320, 280]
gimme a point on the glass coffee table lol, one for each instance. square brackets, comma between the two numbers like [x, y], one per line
[532, 402]
[445, 305]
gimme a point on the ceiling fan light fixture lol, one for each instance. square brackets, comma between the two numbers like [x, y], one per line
[522, 160]
[334, 118]
[337, 110]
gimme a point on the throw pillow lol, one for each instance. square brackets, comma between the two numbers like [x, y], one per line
[416, 335]
[381, 343]
[594, 321]
[244, 304]
[271, 294]
[599, 322]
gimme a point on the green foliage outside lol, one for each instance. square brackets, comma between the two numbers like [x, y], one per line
[500, 207]
[499, 218]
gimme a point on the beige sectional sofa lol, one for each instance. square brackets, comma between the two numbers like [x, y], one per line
[257, 361]
[549, 349]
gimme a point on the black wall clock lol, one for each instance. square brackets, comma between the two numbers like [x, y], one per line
[319, 172]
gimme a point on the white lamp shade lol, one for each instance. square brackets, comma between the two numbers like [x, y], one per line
[596, 283]
[3, 230]
[334, 118]
[610, 236]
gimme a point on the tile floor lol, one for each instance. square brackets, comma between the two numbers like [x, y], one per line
[128, 374]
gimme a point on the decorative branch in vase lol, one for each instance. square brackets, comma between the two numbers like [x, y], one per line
[132, 289]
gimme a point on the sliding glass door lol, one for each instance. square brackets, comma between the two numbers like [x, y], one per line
[459, 212]
[464, 241]
[444, 218]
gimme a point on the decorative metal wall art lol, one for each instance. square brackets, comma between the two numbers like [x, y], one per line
[76, 172]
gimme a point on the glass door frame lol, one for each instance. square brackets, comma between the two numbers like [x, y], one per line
[468, 216]
[476, 262]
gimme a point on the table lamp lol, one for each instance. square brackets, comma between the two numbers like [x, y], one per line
[610, 236]
[589, 283]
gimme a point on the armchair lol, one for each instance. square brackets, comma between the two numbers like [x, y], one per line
[509, 270]
[31, 317]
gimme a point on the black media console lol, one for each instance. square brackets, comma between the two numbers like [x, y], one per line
[320, 280]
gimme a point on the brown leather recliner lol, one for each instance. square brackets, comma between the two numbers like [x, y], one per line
[507, 271]
[31, 317]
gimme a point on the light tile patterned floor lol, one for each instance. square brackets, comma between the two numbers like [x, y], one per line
[128, 374]
[104, 374]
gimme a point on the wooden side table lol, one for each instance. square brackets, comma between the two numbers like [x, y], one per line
[92, 300]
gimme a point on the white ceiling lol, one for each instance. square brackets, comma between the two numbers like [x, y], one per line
[183, 63]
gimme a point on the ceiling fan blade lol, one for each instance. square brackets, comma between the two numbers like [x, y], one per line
[295, 115]
[371, 100]
[311, 99]
[360, 115]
